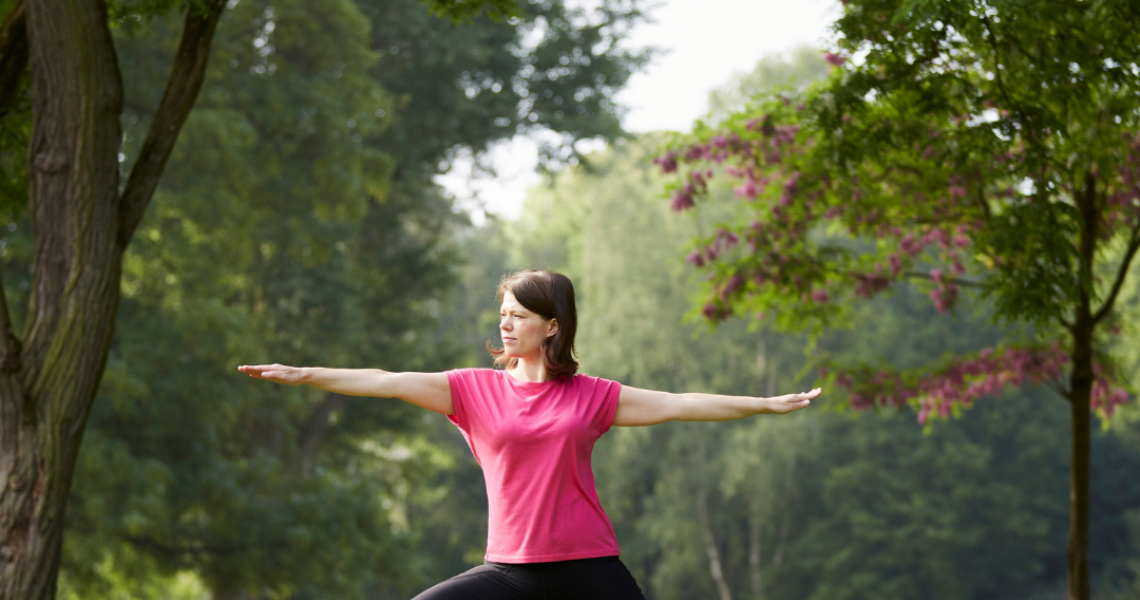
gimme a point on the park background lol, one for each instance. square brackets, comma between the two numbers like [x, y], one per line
[318, 209]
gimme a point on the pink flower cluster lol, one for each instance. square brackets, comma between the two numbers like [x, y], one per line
[965, 381]
[1106, 396]
[962, 382]
[697, 184]
[761, 162]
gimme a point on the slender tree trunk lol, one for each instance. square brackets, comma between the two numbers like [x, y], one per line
[1080, 394]
[711, 547]
[82, 227]
[1081, 382]
[754, 556]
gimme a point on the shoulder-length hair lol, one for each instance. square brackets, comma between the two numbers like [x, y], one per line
[551, 296]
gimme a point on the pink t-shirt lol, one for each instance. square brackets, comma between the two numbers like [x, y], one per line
[534, 441]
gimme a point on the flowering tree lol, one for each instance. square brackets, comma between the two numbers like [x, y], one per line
[981, 150]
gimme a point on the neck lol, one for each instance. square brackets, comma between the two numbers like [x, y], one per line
[530, 370]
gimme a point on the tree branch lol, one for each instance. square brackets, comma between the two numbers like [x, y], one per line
[926, 277]
[13, 57]
[186, 77]
[1121, 273]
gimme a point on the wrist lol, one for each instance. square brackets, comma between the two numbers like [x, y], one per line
[761, 406]
[307, 375]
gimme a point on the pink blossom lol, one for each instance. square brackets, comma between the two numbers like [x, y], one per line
[896, 264]
[667, 162]
[834, 60]
[749, 191]
[681, 201]
[936, 275]
[731, 286]
[944, 296]
[819, 296]
[714, 313]
[695, 258]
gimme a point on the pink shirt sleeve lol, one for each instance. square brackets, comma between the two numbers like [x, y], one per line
[604, 400]
[458, 400]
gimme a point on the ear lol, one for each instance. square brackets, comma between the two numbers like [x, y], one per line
[552, 326]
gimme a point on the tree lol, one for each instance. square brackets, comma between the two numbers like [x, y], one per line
[981, 147]
[83, 218]
[297, 221]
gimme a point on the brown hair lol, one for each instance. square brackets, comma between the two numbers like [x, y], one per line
[551, 296]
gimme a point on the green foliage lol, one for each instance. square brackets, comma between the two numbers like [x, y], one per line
[465, 10]
[835, 505]
[981, 150]
[297, 222]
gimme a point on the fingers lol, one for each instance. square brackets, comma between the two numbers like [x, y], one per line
[802, 400]
[269, 372]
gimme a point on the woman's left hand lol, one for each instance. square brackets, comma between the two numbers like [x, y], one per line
[787, 403]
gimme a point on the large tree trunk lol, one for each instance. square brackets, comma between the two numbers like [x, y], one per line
[81, 227]
[74, 208]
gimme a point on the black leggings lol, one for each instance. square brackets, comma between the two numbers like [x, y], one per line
[604, 578]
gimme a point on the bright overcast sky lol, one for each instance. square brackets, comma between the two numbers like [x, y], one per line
[706, 42]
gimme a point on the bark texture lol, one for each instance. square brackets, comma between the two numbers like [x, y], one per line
[48, 382]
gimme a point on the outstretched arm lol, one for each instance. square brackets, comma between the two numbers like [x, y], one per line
[426, 390]
[646, 407]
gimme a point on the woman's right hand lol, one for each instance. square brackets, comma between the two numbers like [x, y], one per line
[275, 373]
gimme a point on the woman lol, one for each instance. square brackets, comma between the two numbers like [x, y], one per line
[532, 426]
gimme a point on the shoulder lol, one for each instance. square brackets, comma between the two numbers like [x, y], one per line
[589, 383]
[478, 376]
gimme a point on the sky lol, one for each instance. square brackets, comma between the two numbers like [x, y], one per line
[705, 42]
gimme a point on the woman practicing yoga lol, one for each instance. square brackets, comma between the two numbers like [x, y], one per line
[532, 428]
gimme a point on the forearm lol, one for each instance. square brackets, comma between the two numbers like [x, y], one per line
[351, 382]
[714, 407]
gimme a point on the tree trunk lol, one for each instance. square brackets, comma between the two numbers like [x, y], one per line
[754, 555]
[1081, 382]
[1080, 395]
[711, 547]
[81, 228]
[73, 204]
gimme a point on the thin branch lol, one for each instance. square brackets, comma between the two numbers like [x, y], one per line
[1121, 273]
[997, 61]
[186, 77]
[926, 277]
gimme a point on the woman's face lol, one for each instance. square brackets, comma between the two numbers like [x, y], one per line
[523, 331]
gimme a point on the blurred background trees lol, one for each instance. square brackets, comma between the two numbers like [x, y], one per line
[299, 221]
